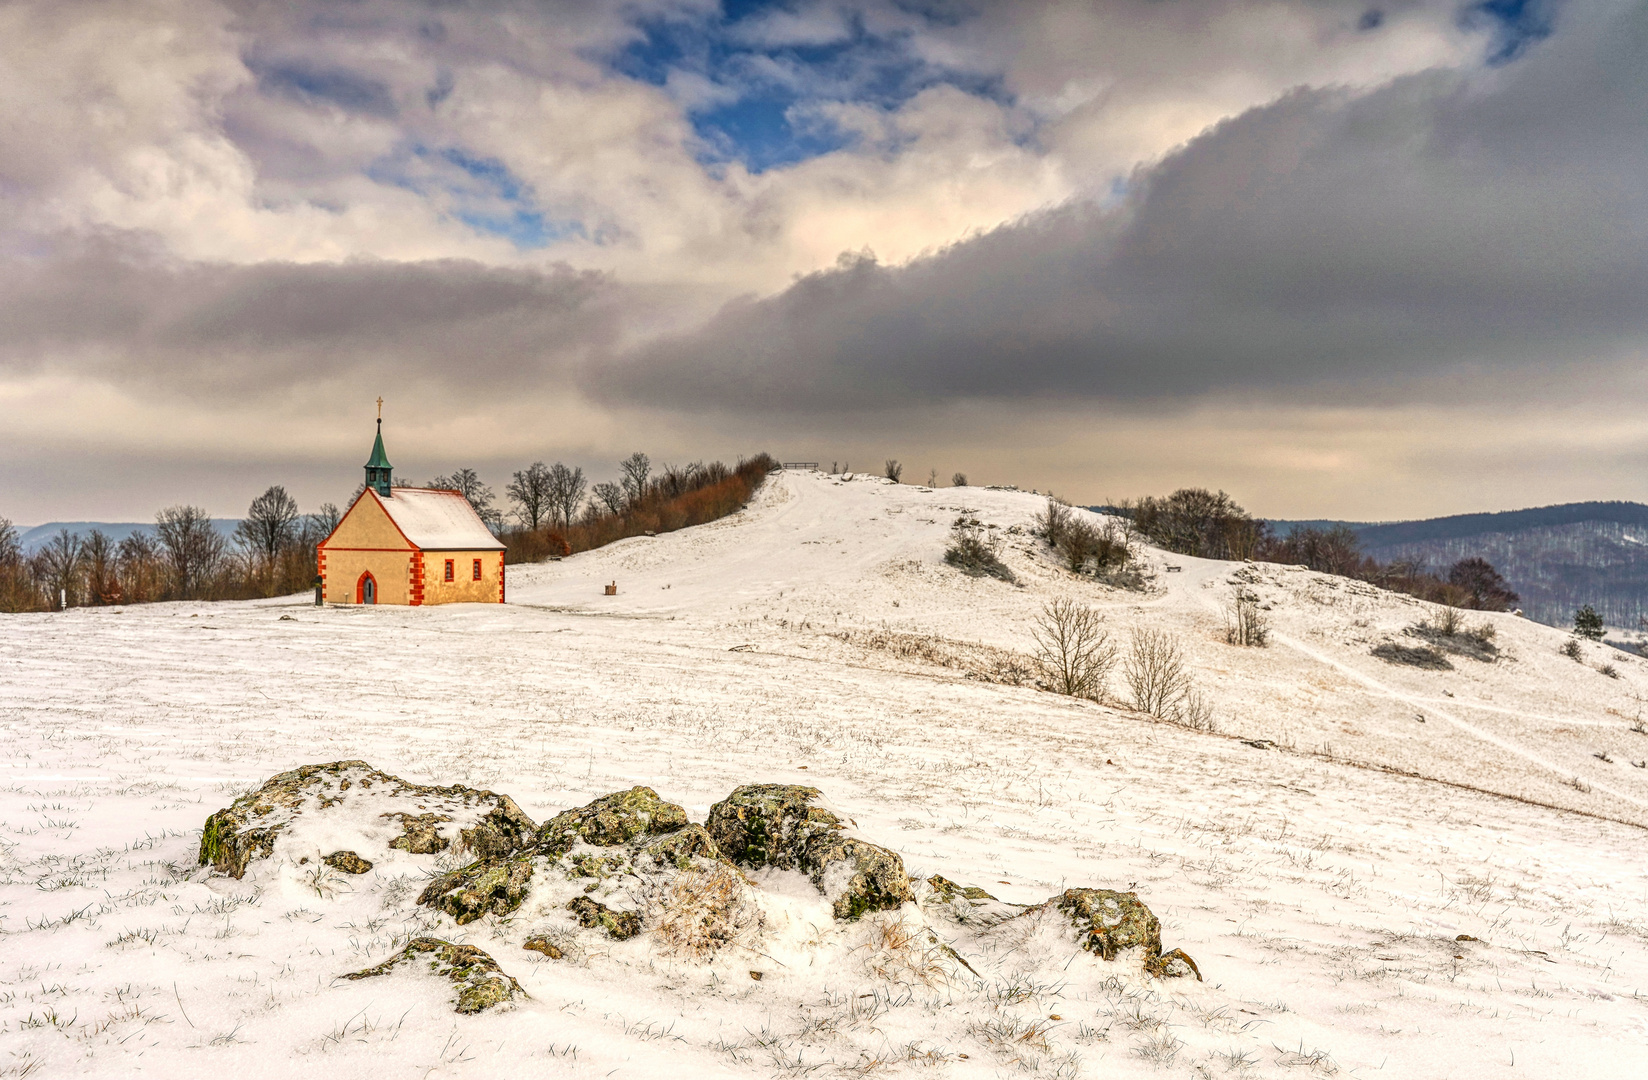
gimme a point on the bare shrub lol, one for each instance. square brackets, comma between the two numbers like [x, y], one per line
[1157, 682]
[1076, 543]
[1154, 671]
[1051, 521]
[958, 480]
[1073, 649]
[1570, 649]
[1449, 621]
[893, 470]
[974, 550]
[1245, 624]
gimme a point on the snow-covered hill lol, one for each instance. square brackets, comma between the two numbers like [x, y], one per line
[1381, 869]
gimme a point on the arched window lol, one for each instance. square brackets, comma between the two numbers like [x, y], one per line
[366, 589]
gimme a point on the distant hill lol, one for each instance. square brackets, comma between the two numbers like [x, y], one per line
[35, 538]
[1557, 557]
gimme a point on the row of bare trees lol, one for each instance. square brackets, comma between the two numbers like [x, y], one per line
[184, 557]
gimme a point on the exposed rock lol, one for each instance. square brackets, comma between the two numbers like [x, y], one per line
[480, 981]
[347, 861]
[1111, 922]
[420, 833]
[431, 818]
[541, 944]
[480, 888]
[679, 848]
[947, 891]
[609, 821]
[783, 825]
[619, 925]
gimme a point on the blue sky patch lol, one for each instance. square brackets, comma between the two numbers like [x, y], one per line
[1515, 24]
[479, 191]
[759, 108]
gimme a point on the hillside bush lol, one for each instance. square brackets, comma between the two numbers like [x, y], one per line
[1588, 624]
[975, 550]
[1245, 623]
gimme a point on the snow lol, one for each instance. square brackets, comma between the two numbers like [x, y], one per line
[1321, 884]
[437, 520]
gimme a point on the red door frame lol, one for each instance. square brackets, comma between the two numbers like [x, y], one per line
[360, 587]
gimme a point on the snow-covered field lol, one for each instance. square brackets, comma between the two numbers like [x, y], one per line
[1320, 854]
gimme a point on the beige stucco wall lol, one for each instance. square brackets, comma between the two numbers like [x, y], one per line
[391, 569]
[366, 540]
[462, 589]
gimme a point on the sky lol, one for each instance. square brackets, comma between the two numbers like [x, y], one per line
[1366, 260]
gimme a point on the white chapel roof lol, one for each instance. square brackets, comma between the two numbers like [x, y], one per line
[438, 520]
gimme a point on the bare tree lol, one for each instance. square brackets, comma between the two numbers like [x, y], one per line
[566, 492]
[609, 497]
[1156, 680]
[269, 525]
[100, 568]
[634, 471]
[530, 492]
[1073, 649]
[17, 588]
[59, 563]
[958, 480]
[893, 470]
[141, 574]
[325, 520]
[467, 482]
[932, 478]
[193, 549]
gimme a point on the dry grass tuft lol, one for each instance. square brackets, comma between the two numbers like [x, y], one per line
[704, 910]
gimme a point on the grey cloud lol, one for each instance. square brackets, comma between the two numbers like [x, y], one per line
[1491, 218]
[108, 311]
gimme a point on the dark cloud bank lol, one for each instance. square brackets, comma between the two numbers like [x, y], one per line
[1494, 218]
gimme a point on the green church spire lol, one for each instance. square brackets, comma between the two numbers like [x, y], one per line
[378, 469]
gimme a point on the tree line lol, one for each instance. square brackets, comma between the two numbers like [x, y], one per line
[552, 511]
[1210, 525]
[270, 553]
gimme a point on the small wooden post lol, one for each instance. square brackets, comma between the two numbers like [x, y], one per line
[612, 590]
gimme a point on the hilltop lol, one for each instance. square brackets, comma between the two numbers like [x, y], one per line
[1379, 868]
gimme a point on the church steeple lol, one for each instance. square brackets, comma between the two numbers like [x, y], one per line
[378, 469]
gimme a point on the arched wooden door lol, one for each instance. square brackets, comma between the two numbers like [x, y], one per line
[366, 589]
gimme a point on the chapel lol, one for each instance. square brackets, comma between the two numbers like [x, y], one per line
[409, 545]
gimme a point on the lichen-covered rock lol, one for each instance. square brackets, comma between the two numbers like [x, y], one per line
[347, 861]
[540, 943]
[619, 925]
[966, 904]
[480, 981]
[680, 848]
[1110, 922]
[609, 821]
[784, 825]
[385, 810]
[480, 888]
[948, 892]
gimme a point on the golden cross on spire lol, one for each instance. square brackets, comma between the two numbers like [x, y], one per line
[380, 408]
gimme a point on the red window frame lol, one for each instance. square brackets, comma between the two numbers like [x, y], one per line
[477, 569]
[449, 569]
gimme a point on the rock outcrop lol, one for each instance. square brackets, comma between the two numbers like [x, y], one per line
[385, 810]
[480, 982]
[1111, 922]
[785, 825]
